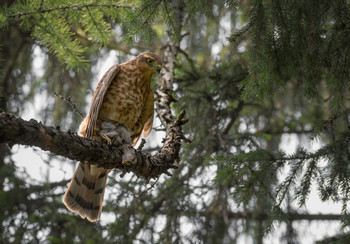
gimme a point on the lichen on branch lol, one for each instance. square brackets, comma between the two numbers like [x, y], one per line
[15, 130]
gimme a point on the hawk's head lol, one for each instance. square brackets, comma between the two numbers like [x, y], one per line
[149, 63]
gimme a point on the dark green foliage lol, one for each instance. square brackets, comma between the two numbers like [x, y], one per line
[283, 72]
[290, 42]
[140, 21]
[292, 47]
[57, 24]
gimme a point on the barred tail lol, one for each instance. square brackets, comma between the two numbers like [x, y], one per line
[85, 191]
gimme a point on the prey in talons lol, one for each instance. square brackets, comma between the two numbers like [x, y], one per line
[119, 134]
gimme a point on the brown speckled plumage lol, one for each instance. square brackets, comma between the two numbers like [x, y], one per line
[123, 95]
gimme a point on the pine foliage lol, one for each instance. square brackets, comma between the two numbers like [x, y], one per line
[56, 24]
[288, 41]
[249, 74]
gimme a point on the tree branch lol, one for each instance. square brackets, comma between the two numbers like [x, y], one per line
[67, 7]
[68, 144]
[15, 130]
[290, 216]
[234, 116]
[71, 103]
[293, 216]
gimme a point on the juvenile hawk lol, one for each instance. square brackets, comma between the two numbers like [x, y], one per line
[121, 109]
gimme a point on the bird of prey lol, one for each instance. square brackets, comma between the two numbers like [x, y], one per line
[122, 108]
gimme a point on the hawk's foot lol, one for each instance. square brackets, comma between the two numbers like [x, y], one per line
[107, 139]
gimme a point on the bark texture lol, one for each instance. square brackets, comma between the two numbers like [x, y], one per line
[15, 130]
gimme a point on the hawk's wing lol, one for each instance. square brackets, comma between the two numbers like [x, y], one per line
[145, 121]
[97, 100]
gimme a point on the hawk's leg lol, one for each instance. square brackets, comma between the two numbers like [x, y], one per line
[116, 133]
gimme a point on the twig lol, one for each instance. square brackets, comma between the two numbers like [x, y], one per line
[149, 188]
[71, 103]
[169, 17]
[144, 22]
[179, 122]
[158, 129]
[65, 7]
[142, 143]
[41, 5]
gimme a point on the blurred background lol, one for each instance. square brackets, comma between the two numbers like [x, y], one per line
[265, 86]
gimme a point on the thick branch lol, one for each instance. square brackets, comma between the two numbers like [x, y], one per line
[67, 144]
[15, 130]
[172, 142]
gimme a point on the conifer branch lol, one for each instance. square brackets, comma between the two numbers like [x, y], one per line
[143, 10]
[169, 17]
[289, 216]
[234, 116]
[64, 48]
[145, 22]
[68, 7]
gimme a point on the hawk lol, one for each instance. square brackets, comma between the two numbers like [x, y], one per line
[122, 108]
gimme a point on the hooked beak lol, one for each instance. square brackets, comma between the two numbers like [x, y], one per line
[159, 67]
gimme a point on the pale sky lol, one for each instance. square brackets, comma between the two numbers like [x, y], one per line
[33, 161]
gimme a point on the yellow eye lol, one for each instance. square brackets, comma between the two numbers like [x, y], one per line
[149, 60]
